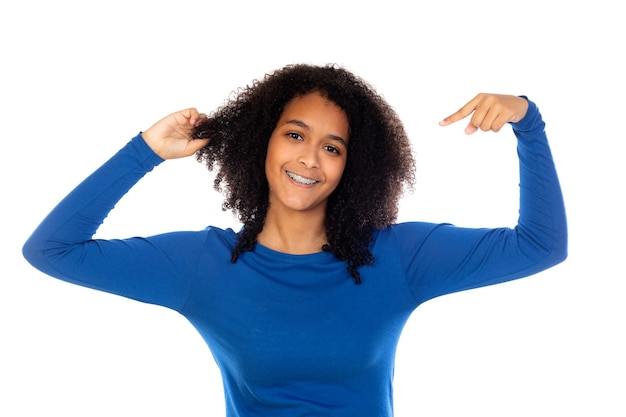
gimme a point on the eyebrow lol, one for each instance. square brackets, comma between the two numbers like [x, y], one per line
[307, 127]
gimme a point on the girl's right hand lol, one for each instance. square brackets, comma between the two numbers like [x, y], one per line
[170, 137]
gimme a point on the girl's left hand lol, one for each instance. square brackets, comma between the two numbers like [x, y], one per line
[490, 112]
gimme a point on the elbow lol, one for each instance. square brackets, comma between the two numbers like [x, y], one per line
[34, 251]
[547, 250]
[558, 250]
[558, 255]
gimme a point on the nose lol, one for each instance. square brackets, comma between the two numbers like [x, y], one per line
[309, 157]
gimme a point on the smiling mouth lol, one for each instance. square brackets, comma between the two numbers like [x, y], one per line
[301, 180]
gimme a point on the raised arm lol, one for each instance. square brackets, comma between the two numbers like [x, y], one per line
[63, 246]
[451, 258]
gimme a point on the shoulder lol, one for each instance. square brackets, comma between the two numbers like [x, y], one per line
[398, 235]
[212, 240]
[225, 237]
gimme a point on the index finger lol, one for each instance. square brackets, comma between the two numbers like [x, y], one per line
[460, 114]
[189, 116]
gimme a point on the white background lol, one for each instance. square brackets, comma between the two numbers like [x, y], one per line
[79, 79]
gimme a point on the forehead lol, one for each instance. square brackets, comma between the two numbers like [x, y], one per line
[316, 108]
[314, 98]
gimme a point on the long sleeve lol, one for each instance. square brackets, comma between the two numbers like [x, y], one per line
[441, 259]
[542, 221]
[146, 269]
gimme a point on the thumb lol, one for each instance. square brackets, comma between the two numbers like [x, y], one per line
[194, 145]
[470, 128]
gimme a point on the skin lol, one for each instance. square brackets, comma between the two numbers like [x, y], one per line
[490, 112]
[170, 137]
[310, 140]
[306, 156]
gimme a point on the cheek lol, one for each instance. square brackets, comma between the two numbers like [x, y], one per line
[270, 157]
[270, 170]
[338, 170]
[274, 162]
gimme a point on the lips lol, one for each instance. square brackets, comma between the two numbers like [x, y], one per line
[301, 180]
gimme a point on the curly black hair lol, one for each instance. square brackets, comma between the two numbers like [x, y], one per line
[379, 164]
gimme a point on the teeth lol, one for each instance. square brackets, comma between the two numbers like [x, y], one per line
[301, 180]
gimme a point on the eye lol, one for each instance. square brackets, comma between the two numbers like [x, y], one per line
[294, 135]
[332, 149]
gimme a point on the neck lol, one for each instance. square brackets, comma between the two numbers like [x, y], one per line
[293, 232]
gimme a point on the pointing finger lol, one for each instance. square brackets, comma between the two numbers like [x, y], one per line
[462, 113]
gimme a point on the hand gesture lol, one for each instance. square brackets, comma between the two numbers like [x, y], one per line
[170, 137]
[490, 112]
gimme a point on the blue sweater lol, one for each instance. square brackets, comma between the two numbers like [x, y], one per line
[292, 334]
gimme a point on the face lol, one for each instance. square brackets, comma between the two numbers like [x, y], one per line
[306, 154]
